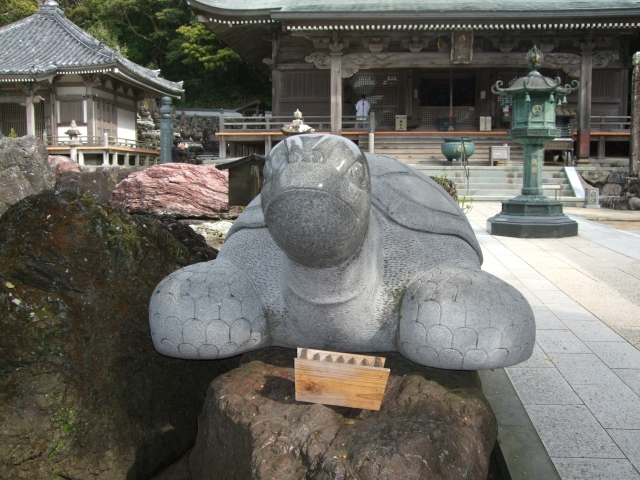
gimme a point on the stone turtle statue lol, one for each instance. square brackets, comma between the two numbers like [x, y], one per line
[349, 252]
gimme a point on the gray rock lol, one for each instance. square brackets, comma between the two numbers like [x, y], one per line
[432, 424]
[631, 186]
[614, 177]
[333, 256]
[595, 178]
[98, 183]
[634, 203]
[611, 190]
[615, 203]
[24, 169]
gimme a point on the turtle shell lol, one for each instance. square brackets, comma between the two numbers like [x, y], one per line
[410, 198]
[403, 195]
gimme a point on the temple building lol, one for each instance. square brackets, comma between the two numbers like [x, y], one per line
[52, 73]
[436, 61]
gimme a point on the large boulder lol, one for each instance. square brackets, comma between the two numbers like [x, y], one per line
[595, 178]
[611, 190]
[98, 182]
[433, 424]
[177, 189]
[60, 164]
[24, 169]
[84, 394]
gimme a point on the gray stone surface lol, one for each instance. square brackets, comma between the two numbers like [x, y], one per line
[595, 469]
[634, 203]
[613, 404]
[583, 369]
[611, 190]
[572, 431]
[346, 252]
[560, 341]
[630, 376]
[596, 178]
[24, 169]
[616, 354]
[541, 386]
[628, 441]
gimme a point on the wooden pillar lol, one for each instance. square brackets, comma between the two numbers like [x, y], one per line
[267, 144]
[31, 115]
[336, 90]
[275, 92]
[602, 142]
[634, 147]
[584, 103]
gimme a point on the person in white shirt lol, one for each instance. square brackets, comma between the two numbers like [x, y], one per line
[362, 109]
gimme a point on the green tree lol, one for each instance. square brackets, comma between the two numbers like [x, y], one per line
[164, 34]
[14, 10]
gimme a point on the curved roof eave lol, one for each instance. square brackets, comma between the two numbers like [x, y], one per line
[225, 13]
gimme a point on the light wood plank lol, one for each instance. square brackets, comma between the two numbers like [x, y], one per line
[340, 384]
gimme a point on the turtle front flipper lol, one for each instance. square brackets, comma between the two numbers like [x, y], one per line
[464, 319]
[207, 311]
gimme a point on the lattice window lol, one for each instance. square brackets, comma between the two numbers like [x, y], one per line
[305, 84]
[105, 117]
[606, 84]
[382, 93]
[13, 115]
[464, 115]
[71, 110]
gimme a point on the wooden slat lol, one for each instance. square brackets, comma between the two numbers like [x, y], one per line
[338, 357]
[340, 384]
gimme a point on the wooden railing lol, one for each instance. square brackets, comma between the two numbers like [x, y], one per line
[610, 123]
[274, 124]
[102, 141]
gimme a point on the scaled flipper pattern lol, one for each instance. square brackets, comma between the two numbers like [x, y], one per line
[207, 311]
[466, 320]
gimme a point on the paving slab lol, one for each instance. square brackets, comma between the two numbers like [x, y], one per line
[572, 431]
[560, 341]
[629, 442]
[595, 469]
[592, 331]
[630, 376]
[583, 369]
[614, 405]
[616, 354]
[542, 386]
[581, 386]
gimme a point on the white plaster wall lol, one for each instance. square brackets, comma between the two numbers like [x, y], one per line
[71, 90]
[126, 124]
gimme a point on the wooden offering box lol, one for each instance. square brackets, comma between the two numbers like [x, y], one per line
[342, 379]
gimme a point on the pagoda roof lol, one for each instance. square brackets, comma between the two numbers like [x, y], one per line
[47, 44]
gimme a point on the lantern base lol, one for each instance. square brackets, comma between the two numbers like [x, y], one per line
[532, 226]
[537, 219]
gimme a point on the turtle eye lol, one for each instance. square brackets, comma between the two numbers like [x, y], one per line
[358, 174]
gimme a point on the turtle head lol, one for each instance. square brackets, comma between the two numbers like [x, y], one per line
[316, 198]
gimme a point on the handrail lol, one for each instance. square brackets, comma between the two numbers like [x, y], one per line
[275, 123]
[99, 141]
[611, 122]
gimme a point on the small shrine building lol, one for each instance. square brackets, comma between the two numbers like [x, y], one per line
[52, 73]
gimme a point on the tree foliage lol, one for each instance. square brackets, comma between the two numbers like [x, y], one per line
[163, 34]
[13, 10]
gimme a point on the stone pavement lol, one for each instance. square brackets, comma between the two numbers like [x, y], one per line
[581, 387]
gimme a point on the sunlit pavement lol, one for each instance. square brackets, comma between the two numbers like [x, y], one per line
[581, 387]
